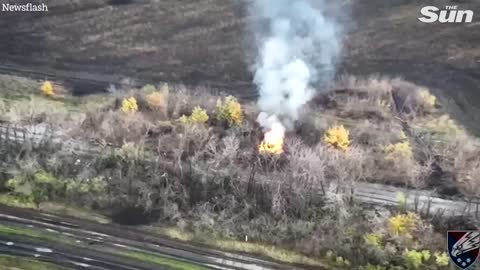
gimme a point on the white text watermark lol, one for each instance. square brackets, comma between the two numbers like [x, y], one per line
[25, 7]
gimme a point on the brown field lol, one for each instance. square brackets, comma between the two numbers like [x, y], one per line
[207, 42]
[207, 177]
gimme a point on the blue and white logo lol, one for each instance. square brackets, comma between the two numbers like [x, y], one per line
[463, 247]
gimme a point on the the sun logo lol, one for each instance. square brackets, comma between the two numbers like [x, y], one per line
[451, 14]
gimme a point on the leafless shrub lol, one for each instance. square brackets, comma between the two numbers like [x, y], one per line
[196, 137]
[231, 146]
[396, 164]
[369, 134]
[311, 126]
[442, 126]
[307, 165]
[213, 178]
[34, 111]
[370, 97]
[374, 83]
[178, 103]
[411, 99]
[467, 167]
[346, 168]
[183, 100]
[251, 111]
[3, 109]
[127, 84]
[382, 95]
[371, 106]
[309, 173]
[115, 127]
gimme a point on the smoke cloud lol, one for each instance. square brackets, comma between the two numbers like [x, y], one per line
[298, 48]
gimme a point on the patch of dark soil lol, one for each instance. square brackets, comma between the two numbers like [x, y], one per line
[443, 182]
[81, 88]
[120, 2]
[134, 216]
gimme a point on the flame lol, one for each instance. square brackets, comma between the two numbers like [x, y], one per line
[273, 141]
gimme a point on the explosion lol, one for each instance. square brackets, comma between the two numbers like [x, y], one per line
[298, 47]
[273, 140]
[274, 134]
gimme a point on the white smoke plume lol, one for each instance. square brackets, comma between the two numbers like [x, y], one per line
[298, 49]
[271, 122]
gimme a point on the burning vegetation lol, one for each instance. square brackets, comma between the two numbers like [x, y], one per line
[289, 185]
[192, 161]
[285, 70]
[273, 140]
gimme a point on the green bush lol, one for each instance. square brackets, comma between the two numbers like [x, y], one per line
[129, 152]
[37, 187]
[93, 186]
[374, 240]
[149, 88]
[416, 258]
[41, 186]
[372, 267]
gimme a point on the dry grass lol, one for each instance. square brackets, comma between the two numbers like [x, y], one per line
[183, 101]
[34, 110]
[466, 166]
[269, 251]
[114, 127]
[159, 128]
[56, 209]
[373, 134]
[212, 178]
[370, 97]
[382, 97]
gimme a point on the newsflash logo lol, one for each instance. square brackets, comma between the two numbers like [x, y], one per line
[451, 14]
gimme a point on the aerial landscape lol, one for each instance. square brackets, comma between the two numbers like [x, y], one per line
[239, 134]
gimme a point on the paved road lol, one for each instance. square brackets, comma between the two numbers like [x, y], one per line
[82, 244]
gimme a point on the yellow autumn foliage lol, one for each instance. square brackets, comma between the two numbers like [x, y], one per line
[374, 239]
[157, 101]
[444, 125]
[198, 116]
[129, 105]
[230, 110]
[427, 98]
[416, 258]
[398, 150]
[47, 89]
[403, 224]
[441, 258]
[338, 137]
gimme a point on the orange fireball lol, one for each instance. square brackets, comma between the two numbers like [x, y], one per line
[273, 141]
